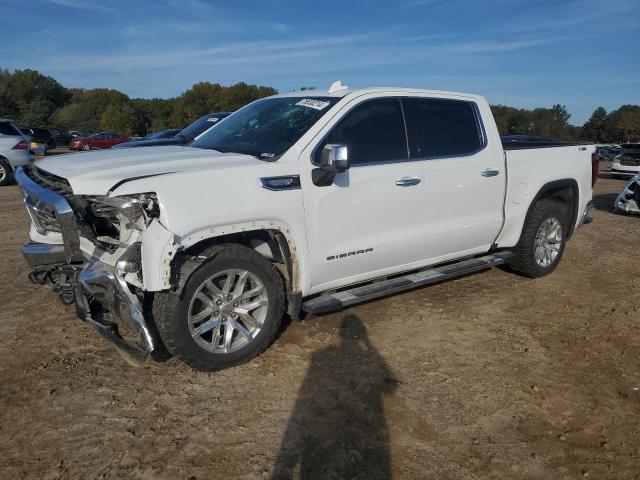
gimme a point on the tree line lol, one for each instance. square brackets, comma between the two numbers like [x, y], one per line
[36, 100]
[618, 126]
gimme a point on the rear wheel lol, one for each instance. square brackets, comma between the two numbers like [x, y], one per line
[229, 311]
[6, 173]
[543, 239]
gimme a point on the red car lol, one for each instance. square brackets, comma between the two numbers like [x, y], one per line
[97, 140]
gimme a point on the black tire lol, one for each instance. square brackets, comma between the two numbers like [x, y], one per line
[170, 312]
[6, 178]
[524, 261]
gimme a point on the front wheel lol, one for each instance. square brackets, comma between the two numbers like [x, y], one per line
[543, 239]
[229, 311]
[86, 147]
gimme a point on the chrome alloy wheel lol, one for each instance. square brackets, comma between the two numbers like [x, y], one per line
[227, 311]
[548, 242]
[3, 173]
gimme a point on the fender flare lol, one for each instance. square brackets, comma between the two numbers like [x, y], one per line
[290, 245]
[556, 185]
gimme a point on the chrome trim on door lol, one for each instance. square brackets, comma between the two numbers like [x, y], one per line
[490, 173]
[408, 181]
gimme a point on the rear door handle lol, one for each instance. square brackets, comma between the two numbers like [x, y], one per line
[490, 172]
[407, 181]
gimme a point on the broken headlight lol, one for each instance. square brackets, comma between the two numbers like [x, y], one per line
[115, 220]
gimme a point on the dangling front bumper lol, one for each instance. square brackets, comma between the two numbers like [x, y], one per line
[99, 290]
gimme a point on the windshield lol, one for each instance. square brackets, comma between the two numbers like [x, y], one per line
[266, 128]
[202, 124]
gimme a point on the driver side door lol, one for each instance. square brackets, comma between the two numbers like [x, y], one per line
[369, 221]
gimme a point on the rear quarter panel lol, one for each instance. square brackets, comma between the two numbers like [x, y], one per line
[529, 170]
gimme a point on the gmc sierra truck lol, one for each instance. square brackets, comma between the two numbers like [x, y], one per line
[307, 201]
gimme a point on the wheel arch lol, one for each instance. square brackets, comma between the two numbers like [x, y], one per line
[270, 239]
[565, 190]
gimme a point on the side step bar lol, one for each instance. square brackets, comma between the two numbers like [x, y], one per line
[332, 302]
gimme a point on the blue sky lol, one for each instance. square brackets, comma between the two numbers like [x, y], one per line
[582, 53]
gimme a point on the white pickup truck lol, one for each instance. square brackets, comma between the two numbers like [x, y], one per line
[306, 201]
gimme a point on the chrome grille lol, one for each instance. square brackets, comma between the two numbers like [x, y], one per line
[50, 181]
[49, 209]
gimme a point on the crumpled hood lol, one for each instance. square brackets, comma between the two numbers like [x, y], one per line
[95, 173]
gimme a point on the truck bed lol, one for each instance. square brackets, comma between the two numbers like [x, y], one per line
[530, 169]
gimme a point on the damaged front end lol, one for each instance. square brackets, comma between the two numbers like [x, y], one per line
[90, 249]
[629, 198]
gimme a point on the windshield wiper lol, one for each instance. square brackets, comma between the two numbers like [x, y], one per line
[267, 157]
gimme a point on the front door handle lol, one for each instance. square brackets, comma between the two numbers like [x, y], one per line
[407, 181]
[490, 172]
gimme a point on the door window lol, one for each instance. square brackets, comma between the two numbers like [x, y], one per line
[441, 128]
[373, 132]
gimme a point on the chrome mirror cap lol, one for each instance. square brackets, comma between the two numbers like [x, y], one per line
[335, 156]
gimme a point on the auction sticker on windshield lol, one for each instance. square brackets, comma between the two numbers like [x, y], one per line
[316, 104]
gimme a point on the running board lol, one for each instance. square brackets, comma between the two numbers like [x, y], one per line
[332, 302]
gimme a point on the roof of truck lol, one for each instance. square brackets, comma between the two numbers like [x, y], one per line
[338, 90]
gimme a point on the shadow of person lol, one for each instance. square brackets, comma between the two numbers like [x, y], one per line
[337, 428]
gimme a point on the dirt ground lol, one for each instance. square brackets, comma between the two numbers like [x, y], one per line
[490, 376]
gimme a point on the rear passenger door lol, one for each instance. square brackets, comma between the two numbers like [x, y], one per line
[464, 175]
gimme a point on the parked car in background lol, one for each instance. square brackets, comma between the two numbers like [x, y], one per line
[61, 137]
[14, 150]
[41, 136]
[162, 134]
[171, 132]
[78, 134]
[608, 152]
[614, 150]
[182, 137]
[628, 161]
[97, 141]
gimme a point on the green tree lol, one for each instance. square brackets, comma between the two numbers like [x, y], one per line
[119, 118]
[87, 107]
[596, 128]
[205, 97]
[511, 121]
[75, 117]
[35, 96]
[550, 122]
[624, 123]
[7, 105]
[154, 114]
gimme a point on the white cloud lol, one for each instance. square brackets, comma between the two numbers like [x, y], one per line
[81, 5]
[419, 3]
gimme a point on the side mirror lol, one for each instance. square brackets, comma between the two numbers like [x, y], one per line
[334, 158]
